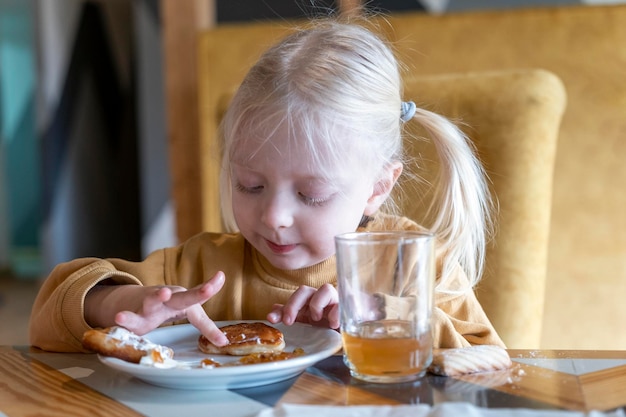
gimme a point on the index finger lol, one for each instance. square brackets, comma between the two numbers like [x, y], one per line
[298, 300]
[198, 317]
[326, 295]
[199, 294]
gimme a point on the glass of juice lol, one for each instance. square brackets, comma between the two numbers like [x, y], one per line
[385, 282]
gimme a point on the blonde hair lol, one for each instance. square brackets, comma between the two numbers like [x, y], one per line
[339, 84]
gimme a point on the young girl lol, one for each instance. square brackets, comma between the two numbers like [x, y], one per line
[312, 147]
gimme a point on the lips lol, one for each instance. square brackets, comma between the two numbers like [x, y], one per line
[280, 249]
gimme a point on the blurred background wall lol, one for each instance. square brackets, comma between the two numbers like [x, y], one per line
[20, 185]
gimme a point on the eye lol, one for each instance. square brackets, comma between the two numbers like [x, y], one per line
[314, 201]
[248, 189]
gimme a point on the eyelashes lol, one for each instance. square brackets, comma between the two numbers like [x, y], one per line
[314, 202]
[307, 200]
[248, 190]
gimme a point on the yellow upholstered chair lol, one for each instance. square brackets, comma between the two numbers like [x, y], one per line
[513, 119]
[512, 116]
[585, 46]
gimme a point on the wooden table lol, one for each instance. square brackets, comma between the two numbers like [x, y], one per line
[33, 382]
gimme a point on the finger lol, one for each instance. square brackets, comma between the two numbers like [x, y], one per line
[134, 322]
[333, 317]
[150, 313]
[326, 295]
[153, 302]
[209, 288]
[298, 300]
[276, 315]
[198, 317]
[198, 294]
[122, 319]
[215, 283]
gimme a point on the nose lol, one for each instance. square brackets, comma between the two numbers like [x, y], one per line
[277, 212]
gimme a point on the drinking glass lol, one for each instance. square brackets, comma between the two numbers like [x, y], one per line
[385, 282]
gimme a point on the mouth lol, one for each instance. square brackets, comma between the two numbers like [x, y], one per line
[280, 249]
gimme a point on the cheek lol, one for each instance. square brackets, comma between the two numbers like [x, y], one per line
[242, 209]
[322, 230]
[343, 220]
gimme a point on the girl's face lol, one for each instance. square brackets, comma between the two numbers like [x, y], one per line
[290, 208]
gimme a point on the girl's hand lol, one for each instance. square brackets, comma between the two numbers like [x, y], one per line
[308, 305]
[161, 304]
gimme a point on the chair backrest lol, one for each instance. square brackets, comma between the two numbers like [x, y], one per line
[513, 119]
[585, 46]
[512, 116]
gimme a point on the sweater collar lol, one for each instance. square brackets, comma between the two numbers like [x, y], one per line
[313, 276]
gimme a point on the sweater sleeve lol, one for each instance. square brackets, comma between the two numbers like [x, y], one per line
[57, 320]
[458, 319]
[58, 313]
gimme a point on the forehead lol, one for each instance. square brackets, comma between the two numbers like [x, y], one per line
[319, 153]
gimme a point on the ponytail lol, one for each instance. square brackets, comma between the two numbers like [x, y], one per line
[461, 209]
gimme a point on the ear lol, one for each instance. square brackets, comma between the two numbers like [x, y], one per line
[383, 187]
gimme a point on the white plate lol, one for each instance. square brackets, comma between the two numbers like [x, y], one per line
[318, 343]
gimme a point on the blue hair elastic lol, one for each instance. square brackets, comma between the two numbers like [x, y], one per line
[407, 111]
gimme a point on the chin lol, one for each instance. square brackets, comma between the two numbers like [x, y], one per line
[289, 262]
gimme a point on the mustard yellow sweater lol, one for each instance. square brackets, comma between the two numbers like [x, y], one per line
[252, 286]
